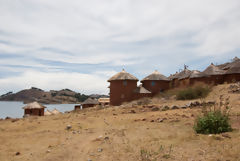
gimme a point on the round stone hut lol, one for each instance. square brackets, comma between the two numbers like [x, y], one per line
[122, 86]
[155, 82]
[213, 75]
[34, 109]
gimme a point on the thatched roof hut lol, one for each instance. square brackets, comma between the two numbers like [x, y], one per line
[34, 105]
[213, 70]
[141, 89]
[196, 74]
[34, 108]
[184, 74]
[47, 113]
[173, 76]
[234, 68]
[155, 76]
[55, 112]
[123, 75]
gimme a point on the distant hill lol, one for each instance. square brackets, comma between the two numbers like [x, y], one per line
[64, 96]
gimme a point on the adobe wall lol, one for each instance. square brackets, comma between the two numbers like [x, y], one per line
[87, 105]
[120, 93]
[159, 86]
[34, 112]
[231, 78]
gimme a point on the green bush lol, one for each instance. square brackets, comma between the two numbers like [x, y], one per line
[213, 122]
[193, 93]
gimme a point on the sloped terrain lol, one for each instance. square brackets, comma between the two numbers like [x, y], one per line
[125, 133]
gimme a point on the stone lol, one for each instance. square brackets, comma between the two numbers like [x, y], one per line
[165, 108]
[100, 149]
[17, 153]
[68, 127]
[226, 136]
[152, 121]
[160, 120]
[174, 107]
[106, 138]
[144, 119]
[132, 111]
[155, 109]
[89, 160]
[48, 151]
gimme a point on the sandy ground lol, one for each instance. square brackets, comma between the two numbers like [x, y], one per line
[120, 134]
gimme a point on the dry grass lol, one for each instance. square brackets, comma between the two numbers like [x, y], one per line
[120, 134]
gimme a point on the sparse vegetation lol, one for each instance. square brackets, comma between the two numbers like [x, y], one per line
[215, 119]
[193, 93]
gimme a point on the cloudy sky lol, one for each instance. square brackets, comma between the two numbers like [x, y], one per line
[79, 44]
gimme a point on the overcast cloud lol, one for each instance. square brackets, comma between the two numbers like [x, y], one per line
[78, 44]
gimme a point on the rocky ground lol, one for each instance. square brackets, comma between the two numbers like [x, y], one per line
[134, 131]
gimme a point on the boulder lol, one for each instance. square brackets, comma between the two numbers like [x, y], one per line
[174, 107]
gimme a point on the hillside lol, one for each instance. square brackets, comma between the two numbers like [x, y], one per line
[46, 97]
[128, 132]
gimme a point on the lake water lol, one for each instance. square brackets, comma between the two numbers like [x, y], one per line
[14, 109]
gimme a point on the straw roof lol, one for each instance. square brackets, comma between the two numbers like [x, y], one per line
[213, 70]
[141, 89]
[34, 105]
[55, 112]
[196, 74]
[155, 76]
[104, 100]
[184, 74]
[47, 113]
[90, 101]
[235, 68]
[173, 76]
[123, 75]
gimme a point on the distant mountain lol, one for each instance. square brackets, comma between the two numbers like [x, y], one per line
[63, 96]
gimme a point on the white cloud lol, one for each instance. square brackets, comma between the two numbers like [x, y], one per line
[84, 83]
[138, 35]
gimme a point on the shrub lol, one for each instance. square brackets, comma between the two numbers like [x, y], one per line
[215, 119]
[193, 93]
[213, 123]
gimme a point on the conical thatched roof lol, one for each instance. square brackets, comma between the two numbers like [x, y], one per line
[34, 105]
[141, 89]
[47, 113]
[174, 76]
[90, 101]
[155, 76]
[213, 70]
[196, 74]
[55, 112]
[234, 68]
[184, 74]
[123, 75]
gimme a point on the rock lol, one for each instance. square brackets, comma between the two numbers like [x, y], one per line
[17, 153]
[183, 107]
[132, 111]
[155, 109]
[106, 138]
[100, 149]
[188, 104]
[165, 108]
[48, 151]
[226, 136]
[74, 132]
[152, 121]
[160, 120]
[144, 119]
[174, 107]
[89, 160]
[68, 127]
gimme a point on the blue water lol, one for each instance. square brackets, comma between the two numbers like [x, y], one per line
[14, 109]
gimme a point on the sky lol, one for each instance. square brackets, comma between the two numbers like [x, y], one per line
[79, 44]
